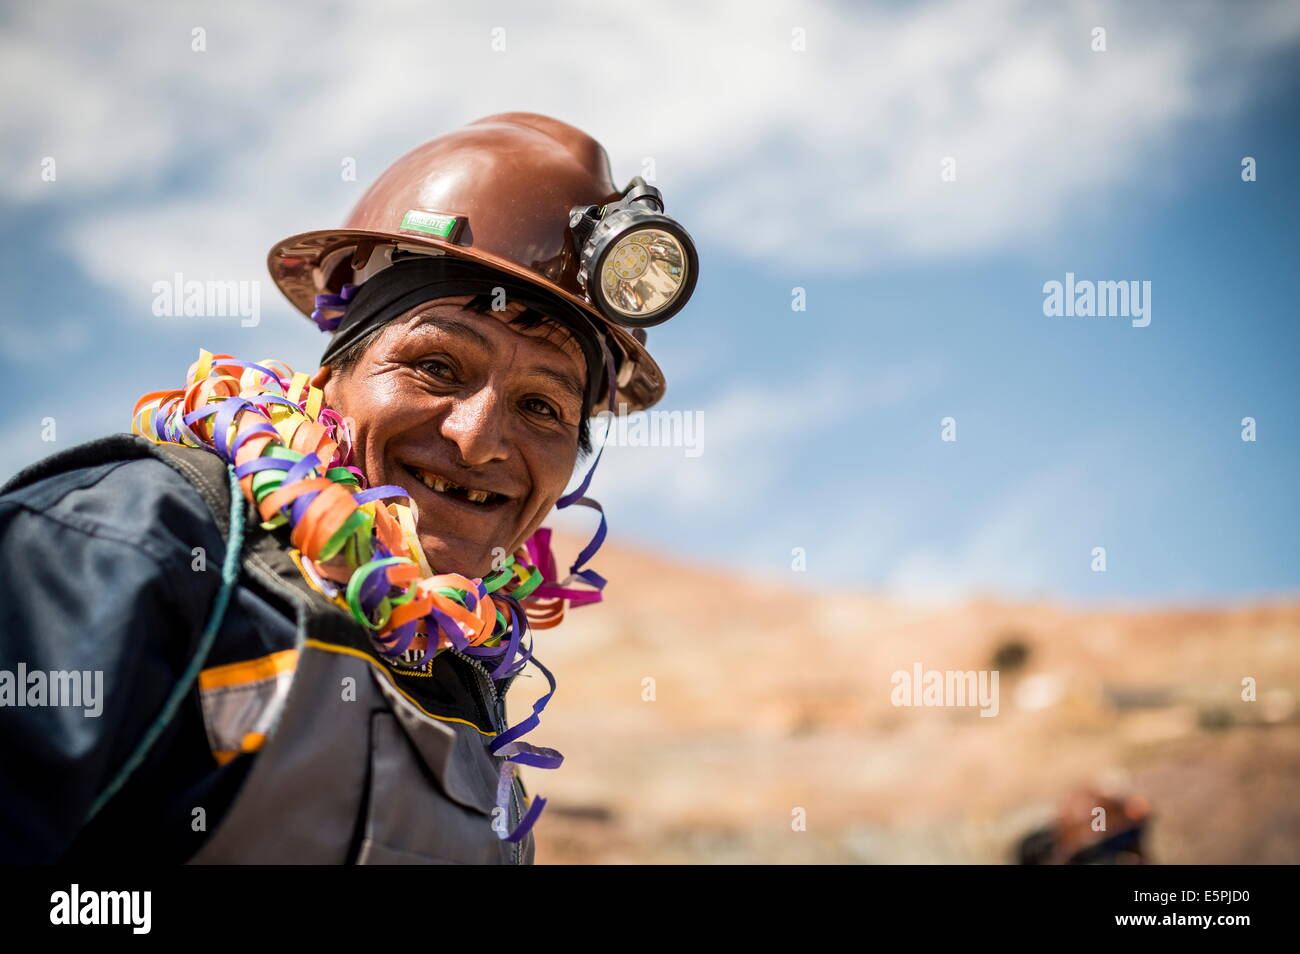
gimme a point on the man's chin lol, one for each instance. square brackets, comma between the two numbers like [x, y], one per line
[455, 556]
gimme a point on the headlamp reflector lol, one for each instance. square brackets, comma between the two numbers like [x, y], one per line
[643, 273]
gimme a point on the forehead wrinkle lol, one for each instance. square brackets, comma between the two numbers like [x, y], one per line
[460, 325]
[547, 331]
[566, 345]
[454, 325]
[542, 332]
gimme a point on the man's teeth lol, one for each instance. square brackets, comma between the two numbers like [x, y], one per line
[443, 486]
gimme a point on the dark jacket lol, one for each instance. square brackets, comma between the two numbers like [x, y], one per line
[110, 562]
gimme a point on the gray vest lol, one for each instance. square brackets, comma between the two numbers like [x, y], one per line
[365, 764]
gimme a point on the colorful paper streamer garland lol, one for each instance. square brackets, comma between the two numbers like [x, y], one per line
[294, 461]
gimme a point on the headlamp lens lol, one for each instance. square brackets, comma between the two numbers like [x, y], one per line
[643, 273]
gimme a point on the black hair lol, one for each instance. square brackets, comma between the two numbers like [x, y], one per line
[528, 319]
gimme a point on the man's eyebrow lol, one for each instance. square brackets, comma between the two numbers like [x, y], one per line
[447, 323]
[566, 381]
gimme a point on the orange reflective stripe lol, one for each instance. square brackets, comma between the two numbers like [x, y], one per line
[251, 742]
[253, 670]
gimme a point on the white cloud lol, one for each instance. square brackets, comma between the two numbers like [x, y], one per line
[1017, 542]
[751, 436]
[825, 158]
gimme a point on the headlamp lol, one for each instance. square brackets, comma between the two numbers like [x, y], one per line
[637, 265]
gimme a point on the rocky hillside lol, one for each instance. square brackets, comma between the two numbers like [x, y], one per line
[702, 716]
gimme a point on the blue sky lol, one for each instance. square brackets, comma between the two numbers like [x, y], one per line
[816, 168]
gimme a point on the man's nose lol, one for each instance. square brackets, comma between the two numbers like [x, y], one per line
[474, 424]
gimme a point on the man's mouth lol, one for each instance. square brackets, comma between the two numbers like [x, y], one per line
[477, 496]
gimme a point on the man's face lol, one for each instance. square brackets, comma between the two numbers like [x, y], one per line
[452, 406]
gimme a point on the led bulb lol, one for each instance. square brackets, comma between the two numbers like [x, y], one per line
[643, 273]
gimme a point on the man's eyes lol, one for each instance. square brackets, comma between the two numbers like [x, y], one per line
[443, 371]
[543, 408]
[439, 369]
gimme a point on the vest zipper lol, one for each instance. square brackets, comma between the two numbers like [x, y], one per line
[492, 700]
[498, 710]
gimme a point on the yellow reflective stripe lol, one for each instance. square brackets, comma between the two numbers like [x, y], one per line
[349, 651]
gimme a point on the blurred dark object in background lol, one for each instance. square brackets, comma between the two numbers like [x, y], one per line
[1091, 828]
[1011, 653]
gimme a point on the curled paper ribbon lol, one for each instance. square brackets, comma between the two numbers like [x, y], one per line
[330, 309]
[521, 753]
[358, 545]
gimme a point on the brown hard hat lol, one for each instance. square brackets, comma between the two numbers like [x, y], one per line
[499, 192]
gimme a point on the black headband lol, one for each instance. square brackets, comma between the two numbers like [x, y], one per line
[412, 281]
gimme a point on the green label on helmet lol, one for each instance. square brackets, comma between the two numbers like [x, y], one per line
[429, 223]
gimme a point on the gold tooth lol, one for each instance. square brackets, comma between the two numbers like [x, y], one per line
[434, 483]
[442, 486]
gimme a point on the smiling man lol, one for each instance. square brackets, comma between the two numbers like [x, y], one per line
[506, 397]
[308, 595]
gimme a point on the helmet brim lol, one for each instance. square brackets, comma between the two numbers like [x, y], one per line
[295, 267]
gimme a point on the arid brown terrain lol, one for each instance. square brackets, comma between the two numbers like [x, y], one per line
[701, 715]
